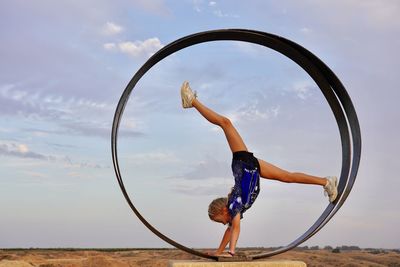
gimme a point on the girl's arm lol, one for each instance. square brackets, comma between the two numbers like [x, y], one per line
[225, 240]
[235, 231]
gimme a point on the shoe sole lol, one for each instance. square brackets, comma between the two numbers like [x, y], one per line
[336, 184]
[185, 102]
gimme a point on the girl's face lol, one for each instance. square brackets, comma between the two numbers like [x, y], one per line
[223, 217]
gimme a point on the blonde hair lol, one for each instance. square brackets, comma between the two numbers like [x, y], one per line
[216, 207]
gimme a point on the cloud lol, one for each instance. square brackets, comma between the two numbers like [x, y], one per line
[110, 46]
[5, 130]
[82, 128]
[210, 177]
[75, 116]
[97, 129]
[303, 89]
[305, 30]
[140, 48]
[213, 8]
[34, 174]
[16, 99]
[249, 49]
[136, 49]
[210, 189]
[253, 111]
[22, 148]
[21, 151]
[81, 164]
[111, 28]
[209, 168]
[62, 146]
[151, 157]
[221, 14]
[197, 5]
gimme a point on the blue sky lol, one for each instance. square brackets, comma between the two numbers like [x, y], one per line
[65, 64]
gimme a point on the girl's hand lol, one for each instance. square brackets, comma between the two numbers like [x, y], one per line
[225, 254]
[211, 253]
[219, 254]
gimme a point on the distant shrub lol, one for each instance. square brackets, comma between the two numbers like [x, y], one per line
[376, 251]
[336, 250]
[396, 251]
[328, 248]
[302, 248]
[349, 248]
[314, 248]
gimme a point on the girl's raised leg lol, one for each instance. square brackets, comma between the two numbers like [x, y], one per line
[235, 141]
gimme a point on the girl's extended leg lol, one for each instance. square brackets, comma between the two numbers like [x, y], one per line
[269, 171]
[235, 141]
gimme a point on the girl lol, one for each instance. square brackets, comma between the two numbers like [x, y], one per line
[247, 171]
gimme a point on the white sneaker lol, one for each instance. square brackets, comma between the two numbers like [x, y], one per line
[187, 95]
[331, 188]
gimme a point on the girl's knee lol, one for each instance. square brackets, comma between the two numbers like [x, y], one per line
[225, 122]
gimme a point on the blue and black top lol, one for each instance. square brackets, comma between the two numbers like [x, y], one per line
[246, 170]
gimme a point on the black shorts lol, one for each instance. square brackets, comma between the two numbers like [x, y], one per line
[246, 157]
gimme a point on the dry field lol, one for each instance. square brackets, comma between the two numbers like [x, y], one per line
[153, 257]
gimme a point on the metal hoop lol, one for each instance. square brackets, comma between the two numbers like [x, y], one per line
[331, 87]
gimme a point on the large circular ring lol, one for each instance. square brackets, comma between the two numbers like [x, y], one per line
[331, 87]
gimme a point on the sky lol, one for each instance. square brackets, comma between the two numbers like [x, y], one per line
[65, 64]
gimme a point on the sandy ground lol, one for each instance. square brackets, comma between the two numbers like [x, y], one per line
[93, 258]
